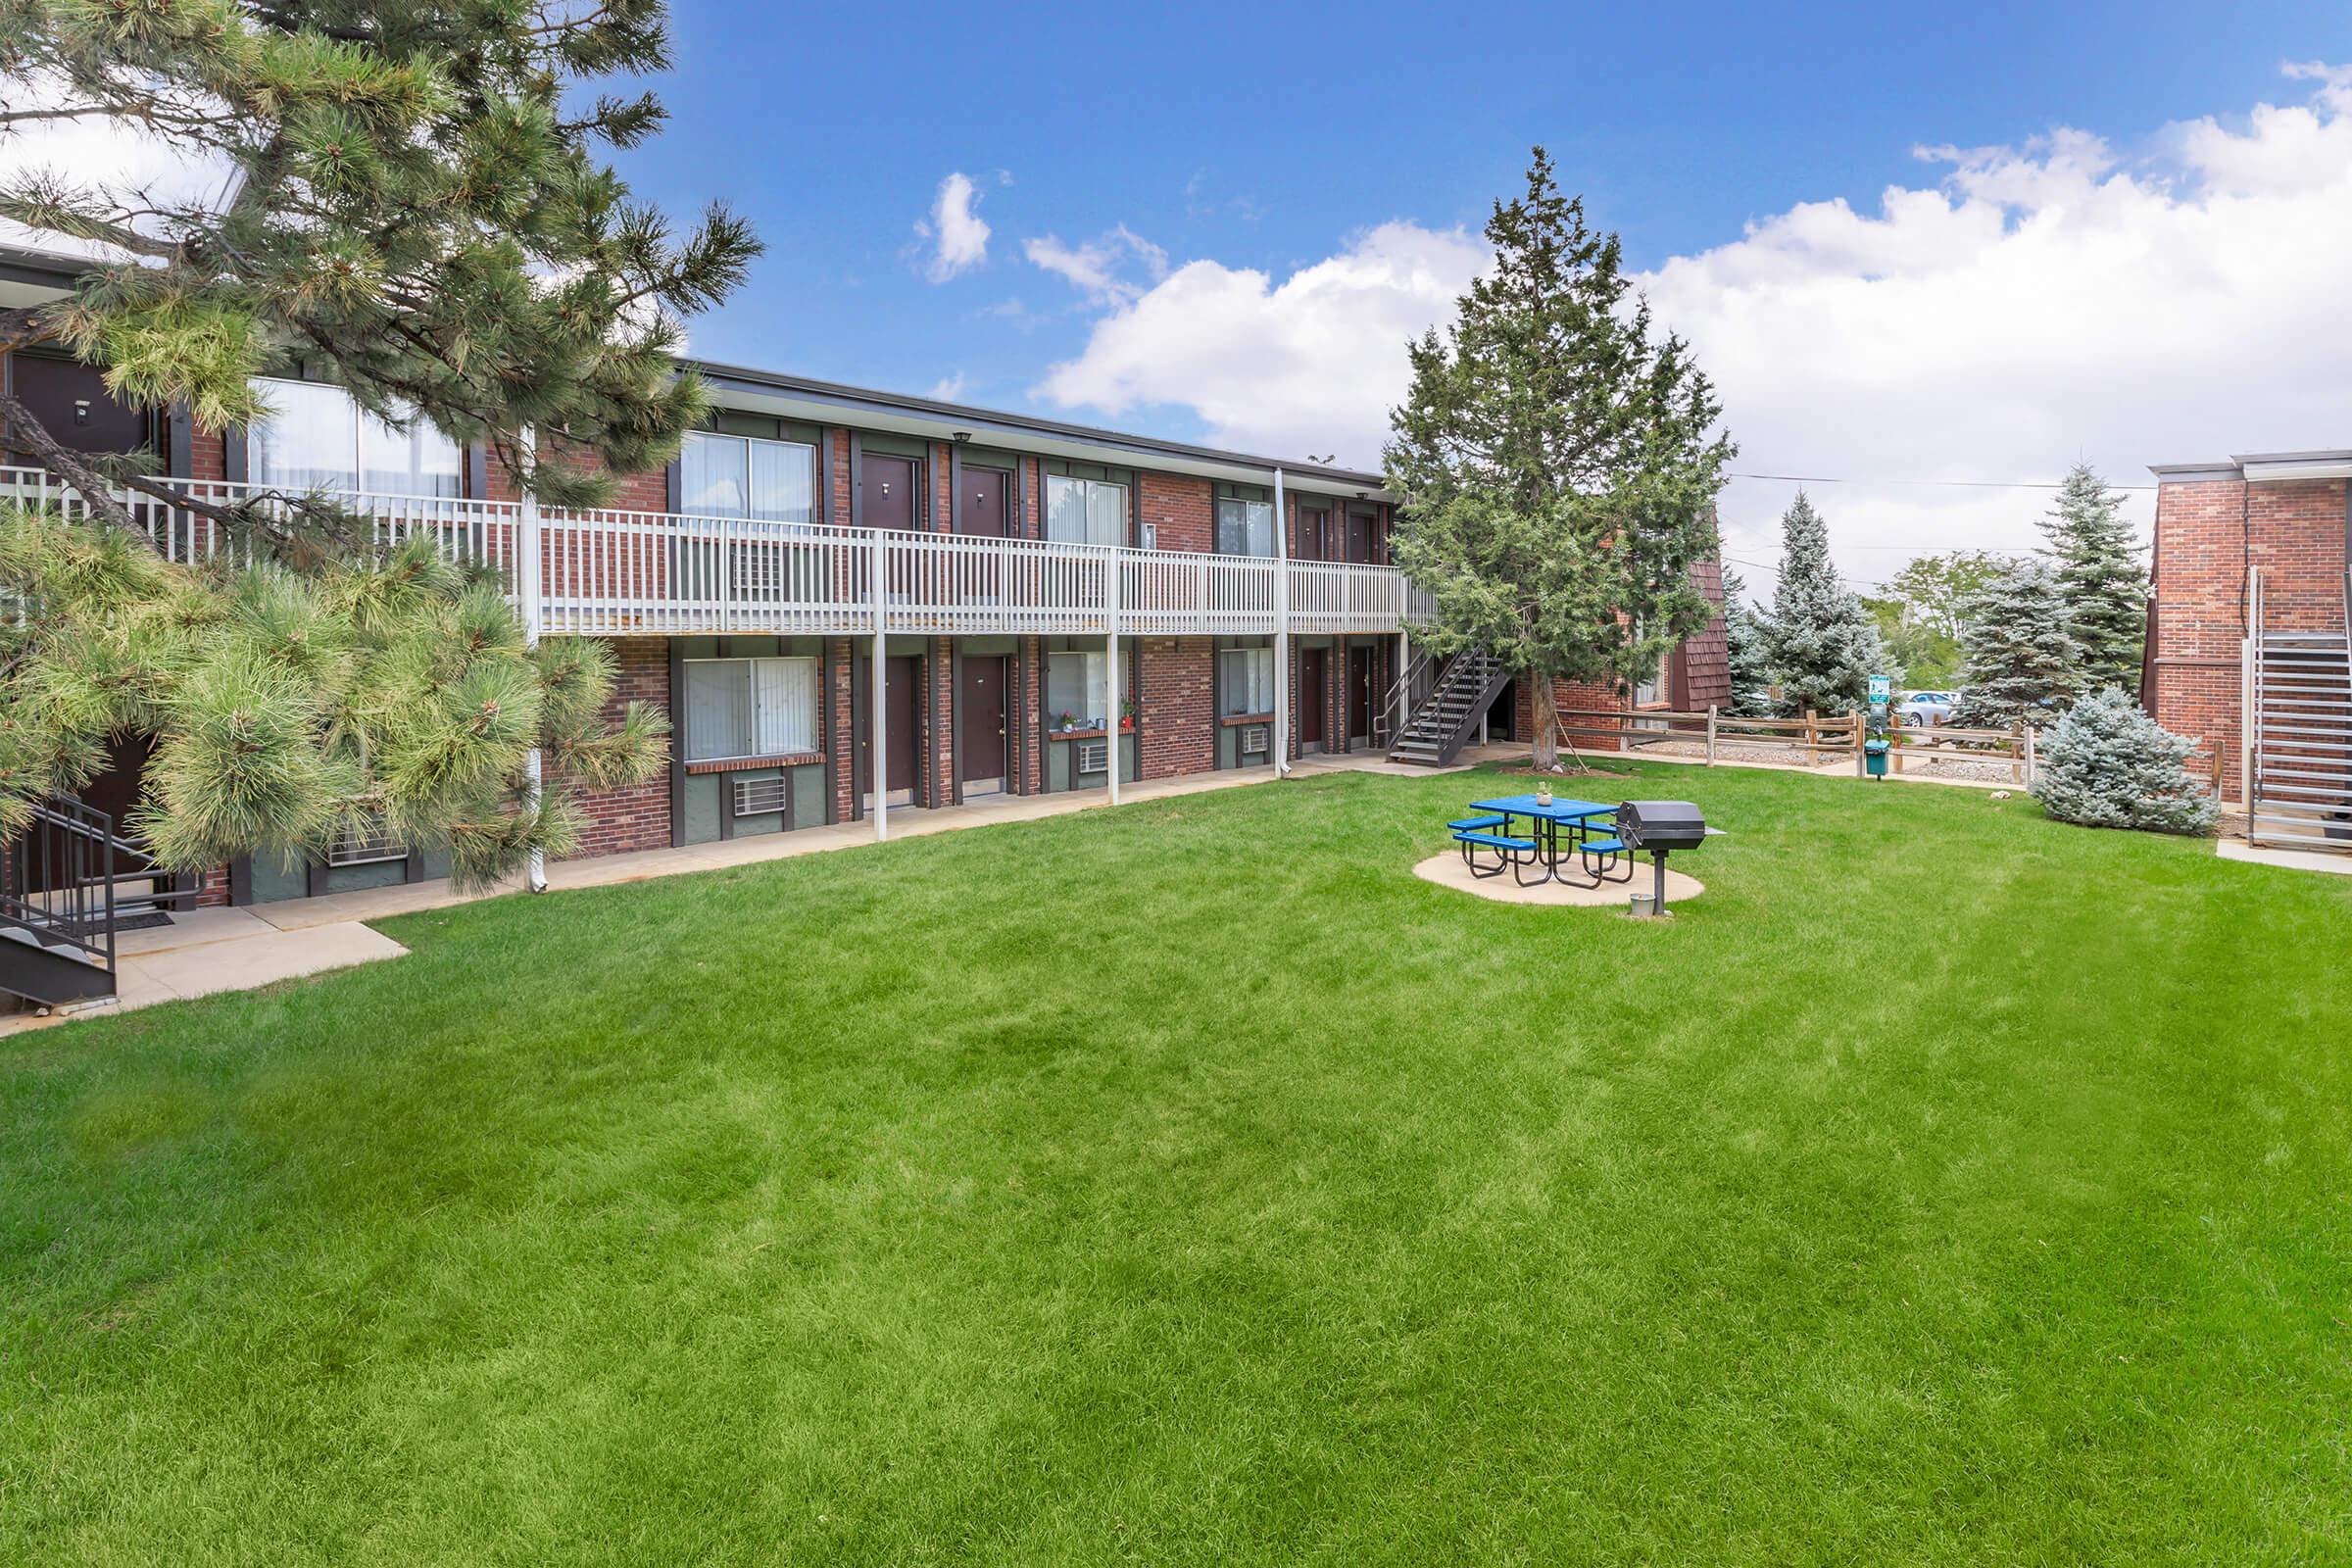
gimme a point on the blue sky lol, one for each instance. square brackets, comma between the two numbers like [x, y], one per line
[1262, 136]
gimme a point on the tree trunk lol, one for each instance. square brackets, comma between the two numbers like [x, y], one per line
[1545, 704]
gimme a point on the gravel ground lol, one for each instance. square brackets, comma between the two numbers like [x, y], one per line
[1735, 751]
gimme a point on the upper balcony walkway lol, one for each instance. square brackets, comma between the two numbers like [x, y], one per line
[604, 572]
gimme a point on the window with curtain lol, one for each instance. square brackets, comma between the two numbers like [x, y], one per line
[1074, 687]
[1085, 512]
[1653, 688]
[738, 707]
[317, 437]
[1245, 682]
[1245, 527]
[742, 477]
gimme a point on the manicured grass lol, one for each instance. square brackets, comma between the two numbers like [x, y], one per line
[1191, 1183]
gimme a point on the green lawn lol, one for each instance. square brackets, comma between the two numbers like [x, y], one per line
[1191, 1184]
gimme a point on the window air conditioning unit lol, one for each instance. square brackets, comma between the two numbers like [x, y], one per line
[367, 844]
[1094, 756]
[758, 797]
[1254, 739]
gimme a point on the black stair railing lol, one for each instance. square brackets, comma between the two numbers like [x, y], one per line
[58, 881]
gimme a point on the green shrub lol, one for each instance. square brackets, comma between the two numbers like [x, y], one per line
[2108, 765]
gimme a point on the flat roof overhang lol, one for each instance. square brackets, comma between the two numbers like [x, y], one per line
[829, 402]
[2260, 467]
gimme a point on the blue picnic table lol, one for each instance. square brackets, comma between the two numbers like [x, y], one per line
[1597, 849]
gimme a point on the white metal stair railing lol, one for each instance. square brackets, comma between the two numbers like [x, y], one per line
[607, 571]
[2299, 748]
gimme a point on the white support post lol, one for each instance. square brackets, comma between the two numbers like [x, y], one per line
[877, 746]
[528, 592]
[1282, 633]
[1113, 689]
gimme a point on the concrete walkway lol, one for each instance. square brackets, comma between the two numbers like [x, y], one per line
[207, 951]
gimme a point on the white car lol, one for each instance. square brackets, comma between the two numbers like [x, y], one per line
[1925, 709]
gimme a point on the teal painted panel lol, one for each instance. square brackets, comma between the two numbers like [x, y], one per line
[273, 880]
[377, 874]
[702, 806]
[808, 795]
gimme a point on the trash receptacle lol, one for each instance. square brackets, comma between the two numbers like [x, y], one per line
[1874, 757]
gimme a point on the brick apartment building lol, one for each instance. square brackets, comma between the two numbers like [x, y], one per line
[2246, 648]
[1047, 606]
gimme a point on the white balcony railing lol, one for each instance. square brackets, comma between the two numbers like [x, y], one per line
[609, 572]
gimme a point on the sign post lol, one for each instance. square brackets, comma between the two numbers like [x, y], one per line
[1874, 749]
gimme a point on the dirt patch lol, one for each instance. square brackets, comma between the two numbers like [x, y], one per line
[1564, 772]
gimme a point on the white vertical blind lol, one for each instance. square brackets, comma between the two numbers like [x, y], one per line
[784, 696]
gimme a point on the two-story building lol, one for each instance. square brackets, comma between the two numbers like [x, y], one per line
[832, 582]
[2246, 649]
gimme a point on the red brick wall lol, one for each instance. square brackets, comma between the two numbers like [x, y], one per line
[618, 821]
[1181, 508]
[2208, 532]
[1177, 704]
[841, 652]
[208, 454]
[1567, 695]
[938, 786]
[1028, 697]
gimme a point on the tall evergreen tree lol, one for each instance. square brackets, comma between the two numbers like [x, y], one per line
[1824, 646]
[414, 203]
[2100, 576]
[1745, 635]
[1556, 462]
[2022, 666]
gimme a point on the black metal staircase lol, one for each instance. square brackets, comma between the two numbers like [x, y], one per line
[67, 883]
[1444, 722]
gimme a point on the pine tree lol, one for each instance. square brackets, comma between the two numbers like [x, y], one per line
[289, 707]
[1555, 464]
[1823, 645]
[2100, 573]
[413, 204]
[2022, 664]
[2108, 765]
[1745, 635]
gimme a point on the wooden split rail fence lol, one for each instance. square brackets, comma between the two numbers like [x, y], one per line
[1819, 738]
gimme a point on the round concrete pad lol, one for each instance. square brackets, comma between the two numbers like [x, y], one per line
[1447, 872]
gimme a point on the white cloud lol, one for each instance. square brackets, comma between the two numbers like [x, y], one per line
[947, 388]
[2039, 305]
[1101, 269]
[122, 162]
[957, 233]
[2171, 296]
[1311, 363]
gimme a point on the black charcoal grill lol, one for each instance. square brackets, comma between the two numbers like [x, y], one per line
[1661, 826]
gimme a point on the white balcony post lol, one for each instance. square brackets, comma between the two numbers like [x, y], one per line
[1111, 672]
[877, 746]
[527, 596]
[1282, 633]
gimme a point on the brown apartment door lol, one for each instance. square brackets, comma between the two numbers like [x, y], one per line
[887, 491]
[1359, 696]
[981, 712]
[1314, 534]
[902, 713]
[981, 503]
[1359, 536]
[1310, 698]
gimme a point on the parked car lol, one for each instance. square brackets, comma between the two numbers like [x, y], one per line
[1923, 710]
